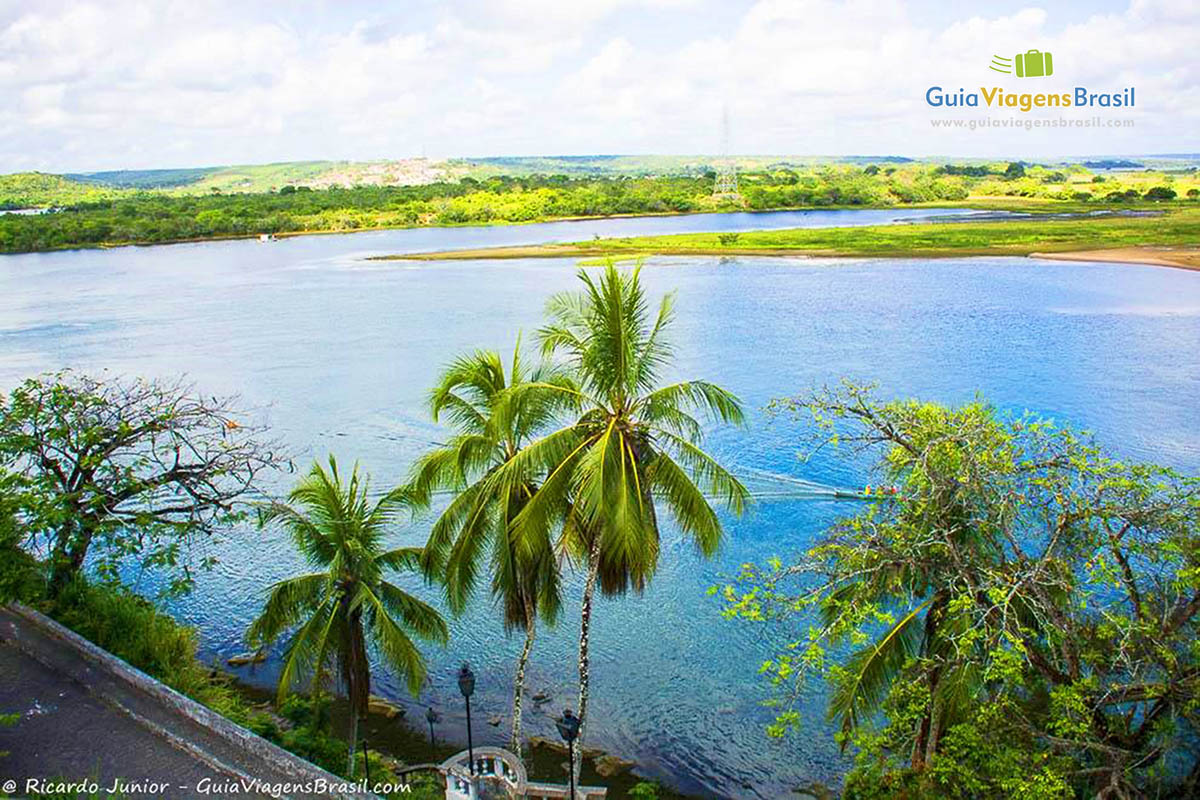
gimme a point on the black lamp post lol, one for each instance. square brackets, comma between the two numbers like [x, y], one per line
[568, 728]
[466, 685]
[431, 717]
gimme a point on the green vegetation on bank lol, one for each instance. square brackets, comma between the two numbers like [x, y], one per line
[126, 216]
[1180, 225]
[1161, 224]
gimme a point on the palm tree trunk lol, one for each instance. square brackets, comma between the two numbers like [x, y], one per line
[515, 741]
[358, 680]
[585, 624]
[353, 741]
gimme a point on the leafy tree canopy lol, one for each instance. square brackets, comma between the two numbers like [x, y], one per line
[1021, 592]
[114, 468]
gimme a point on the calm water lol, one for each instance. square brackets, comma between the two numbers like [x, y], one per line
[339, 353]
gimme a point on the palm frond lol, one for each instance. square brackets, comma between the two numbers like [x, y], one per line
[393, 644]
[418, 616]
[870, 671]
[308, 648]
[287, 601]
[690, 507]
[719, 403]
[713, 478]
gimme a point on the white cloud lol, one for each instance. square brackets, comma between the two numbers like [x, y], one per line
[89, 85]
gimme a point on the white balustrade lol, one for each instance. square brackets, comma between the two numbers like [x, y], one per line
[495, 765]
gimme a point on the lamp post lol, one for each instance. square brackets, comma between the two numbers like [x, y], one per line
[431, 717]
[568, 728]
[466, 685]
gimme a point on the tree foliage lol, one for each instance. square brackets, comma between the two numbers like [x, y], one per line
[493, 412]
[1020, 589]
[634, 444]
[327, 615]
[146, 217]
[112, 468]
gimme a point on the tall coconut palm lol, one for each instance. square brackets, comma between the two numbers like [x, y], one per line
[329, 615]
[491, 423]
[635, 444]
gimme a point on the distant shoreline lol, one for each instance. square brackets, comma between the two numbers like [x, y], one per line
[1176, 257]
[1170, 240]
[983, 203]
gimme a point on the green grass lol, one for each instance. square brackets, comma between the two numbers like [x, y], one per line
[1179, 225]
[132, 629]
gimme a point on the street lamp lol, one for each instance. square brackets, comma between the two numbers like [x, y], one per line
[568, 728]
[431, 717]
[466, 685]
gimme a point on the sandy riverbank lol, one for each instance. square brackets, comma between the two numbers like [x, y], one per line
[1178, 257]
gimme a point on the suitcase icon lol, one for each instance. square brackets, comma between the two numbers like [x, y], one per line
[1034, 64]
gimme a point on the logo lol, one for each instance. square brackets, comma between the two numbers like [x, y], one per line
[1030, 64]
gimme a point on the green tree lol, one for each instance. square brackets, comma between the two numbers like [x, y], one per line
[1017, 576]
[116, 468]
[21, 576]
[1160, 193]
[329, 615]
[634, 444]
[491, 424]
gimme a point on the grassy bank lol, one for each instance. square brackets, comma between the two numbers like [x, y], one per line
[1177, 226]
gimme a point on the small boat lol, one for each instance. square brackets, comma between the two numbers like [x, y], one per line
[266, 237]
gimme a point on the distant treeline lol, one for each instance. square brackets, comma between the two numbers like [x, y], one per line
[127, 216]
[148, 217]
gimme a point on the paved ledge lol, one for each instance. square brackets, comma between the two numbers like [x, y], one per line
[87, 714]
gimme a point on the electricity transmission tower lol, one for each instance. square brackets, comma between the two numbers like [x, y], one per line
[726, 185]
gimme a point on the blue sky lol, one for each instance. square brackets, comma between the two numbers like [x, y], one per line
[125, 84]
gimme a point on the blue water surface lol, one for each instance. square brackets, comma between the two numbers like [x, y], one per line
[338, 352]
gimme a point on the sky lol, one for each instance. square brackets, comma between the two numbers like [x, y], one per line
[141, 84]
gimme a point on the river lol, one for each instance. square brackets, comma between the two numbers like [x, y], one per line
[338, 353]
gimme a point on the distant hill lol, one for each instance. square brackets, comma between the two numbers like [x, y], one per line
[144, 178]
[268, 177]
[1113, 163]
[42, 190]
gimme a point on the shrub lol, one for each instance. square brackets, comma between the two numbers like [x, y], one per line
[1160, 193]
[131, 628]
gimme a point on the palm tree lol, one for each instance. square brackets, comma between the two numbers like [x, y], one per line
[635, 444]
[329, 615]
[491, 425]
